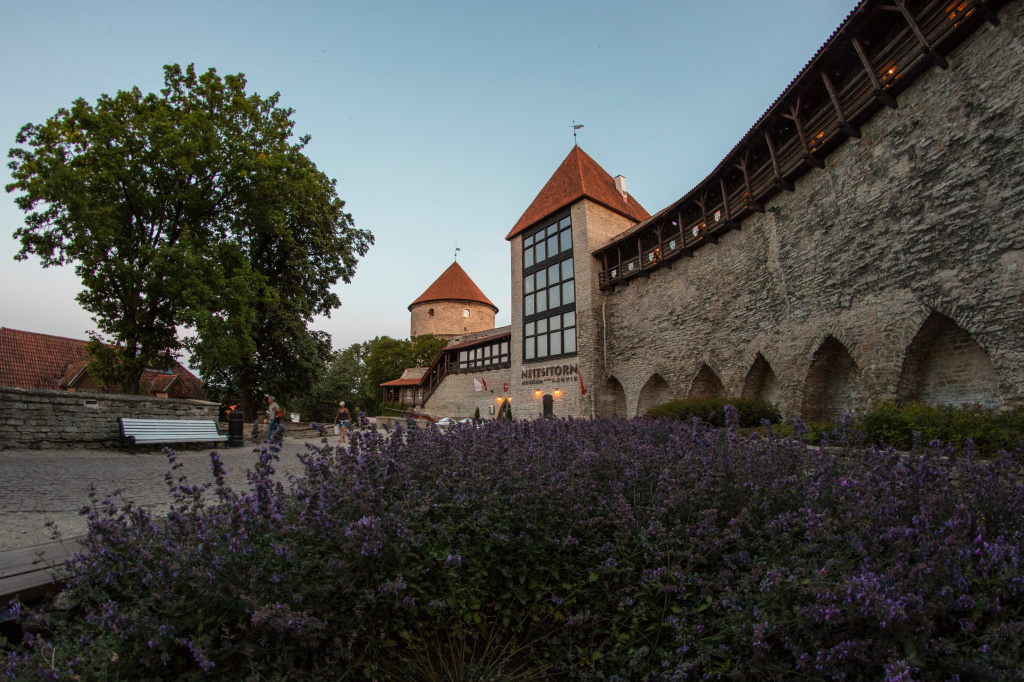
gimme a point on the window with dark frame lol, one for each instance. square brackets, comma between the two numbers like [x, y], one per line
[488, 356]
[549, 291]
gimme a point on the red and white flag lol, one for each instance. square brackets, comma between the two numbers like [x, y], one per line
[479, 385]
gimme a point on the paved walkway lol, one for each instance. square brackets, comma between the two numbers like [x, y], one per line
[40, 484]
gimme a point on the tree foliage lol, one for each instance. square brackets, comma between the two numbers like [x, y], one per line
[194, 207]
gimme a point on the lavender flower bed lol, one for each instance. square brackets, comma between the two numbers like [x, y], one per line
[594, 550]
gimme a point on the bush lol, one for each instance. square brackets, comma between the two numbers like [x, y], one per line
[990, 430]
[751, 412]
[550, 549]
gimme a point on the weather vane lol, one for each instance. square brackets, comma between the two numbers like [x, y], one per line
[575, 126]
[457, 249]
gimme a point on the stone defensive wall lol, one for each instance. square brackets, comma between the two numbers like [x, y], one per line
[42, 419]
[895, 272]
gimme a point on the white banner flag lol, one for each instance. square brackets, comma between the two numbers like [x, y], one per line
[479, 385]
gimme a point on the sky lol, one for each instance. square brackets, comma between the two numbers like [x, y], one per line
[440, 121]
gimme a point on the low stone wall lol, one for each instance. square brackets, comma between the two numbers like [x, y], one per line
[37, 419]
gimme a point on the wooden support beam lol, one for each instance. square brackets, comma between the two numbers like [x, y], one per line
[780, 182]
[687, 253]
[981, 8]
[844, 125]
[809, 158]
[877, 90]
[933, 56]
[750, 203]
[726, 222]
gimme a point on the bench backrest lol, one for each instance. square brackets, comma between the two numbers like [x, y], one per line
[169, 428]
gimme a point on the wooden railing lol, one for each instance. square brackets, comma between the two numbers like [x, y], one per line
[862, 68]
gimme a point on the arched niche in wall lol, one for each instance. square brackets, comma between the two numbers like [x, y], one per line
[612, 401]
[654, 392]
[943, 365]
[834, 385]
[762, 383]
[706, 384]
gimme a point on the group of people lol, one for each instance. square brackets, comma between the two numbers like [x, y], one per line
[275, 413]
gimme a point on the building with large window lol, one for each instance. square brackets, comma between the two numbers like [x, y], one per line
[862, 242]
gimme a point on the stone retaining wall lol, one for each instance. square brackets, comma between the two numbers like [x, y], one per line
[37, 419]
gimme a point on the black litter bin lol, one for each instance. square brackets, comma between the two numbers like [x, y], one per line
[236, 429]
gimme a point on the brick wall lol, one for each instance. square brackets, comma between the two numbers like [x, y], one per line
[457, 398]
[448, 318]
[833, 286]
[35, 418]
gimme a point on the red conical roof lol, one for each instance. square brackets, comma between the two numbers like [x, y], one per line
[579, 176]
[453, 285]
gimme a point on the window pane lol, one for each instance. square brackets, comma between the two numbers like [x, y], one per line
[555, 322]
[542, 301]
[556, 343]
[527, 258]
[542, 279]
[567, 269]
[552, 228]
[553, 277]
[487, 351]
[542, 346]
[542, 326]
[552, 246]
[569, 319]
[463, 355]
[528, 241]
[528, 284]
[565, 222]
[529, 348]
[504, 347]
[570, 340]
[568, 294]
[540, 253]
[530, 328]
[528, 305]
[554, 300]
[566, 239]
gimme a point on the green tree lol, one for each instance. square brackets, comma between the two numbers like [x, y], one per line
[384, 359]
[341, 381]
[197, 208]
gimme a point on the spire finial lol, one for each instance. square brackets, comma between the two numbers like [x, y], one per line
[457, 249]
[575, 126]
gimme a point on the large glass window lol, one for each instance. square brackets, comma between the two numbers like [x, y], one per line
[486, 356]
[549, 294]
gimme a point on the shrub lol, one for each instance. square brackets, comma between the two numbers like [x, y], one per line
[751, 412]
[550, 549]
[990, 430]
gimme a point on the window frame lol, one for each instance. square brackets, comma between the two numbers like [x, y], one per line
[533, 319]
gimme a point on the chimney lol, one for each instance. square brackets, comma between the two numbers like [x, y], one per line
[620, 184]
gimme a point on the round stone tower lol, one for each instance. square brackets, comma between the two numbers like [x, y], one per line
[452, 306]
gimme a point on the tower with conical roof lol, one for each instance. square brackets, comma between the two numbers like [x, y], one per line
[557, 332]
[452, 306]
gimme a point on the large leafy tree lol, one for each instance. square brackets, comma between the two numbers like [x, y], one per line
[384, 359]
[194, 207]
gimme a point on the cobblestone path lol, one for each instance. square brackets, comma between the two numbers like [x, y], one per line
[40, 484]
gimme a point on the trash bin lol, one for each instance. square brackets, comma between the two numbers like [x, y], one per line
[236, 429]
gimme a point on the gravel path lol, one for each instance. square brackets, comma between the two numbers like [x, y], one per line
[40, 484]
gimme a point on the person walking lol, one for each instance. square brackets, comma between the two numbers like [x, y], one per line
[274, 413]
[341, 420]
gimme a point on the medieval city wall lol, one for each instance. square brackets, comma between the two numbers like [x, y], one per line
[40, 419]
[456, 396]
[897, 272]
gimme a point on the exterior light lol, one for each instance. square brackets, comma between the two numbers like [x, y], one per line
[498, 399]
[537, 393]
[558, 393]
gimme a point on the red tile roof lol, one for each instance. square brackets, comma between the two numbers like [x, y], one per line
[454, 285]
[579, 176]
[402, 382]
[31, 360]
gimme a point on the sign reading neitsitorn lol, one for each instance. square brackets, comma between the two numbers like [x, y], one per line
[550, 374]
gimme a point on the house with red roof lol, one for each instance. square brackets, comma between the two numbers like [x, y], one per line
[44, 361]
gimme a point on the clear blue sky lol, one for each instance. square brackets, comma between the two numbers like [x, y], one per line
[440, 121]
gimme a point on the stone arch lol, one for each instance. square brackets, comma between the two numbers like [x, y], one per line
[612, 400]
[762, 383]
[944, 365]
[834, 385]
[654, 392]
[706, 384]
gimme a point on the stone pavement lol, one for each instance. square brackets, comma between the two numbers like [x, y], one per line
[39, 484]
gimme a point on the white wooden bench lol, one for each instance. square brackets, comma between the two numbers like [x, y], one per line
[145, 431]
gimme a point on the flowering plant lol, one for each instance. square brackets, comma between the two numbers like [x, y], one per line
[651, 549]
